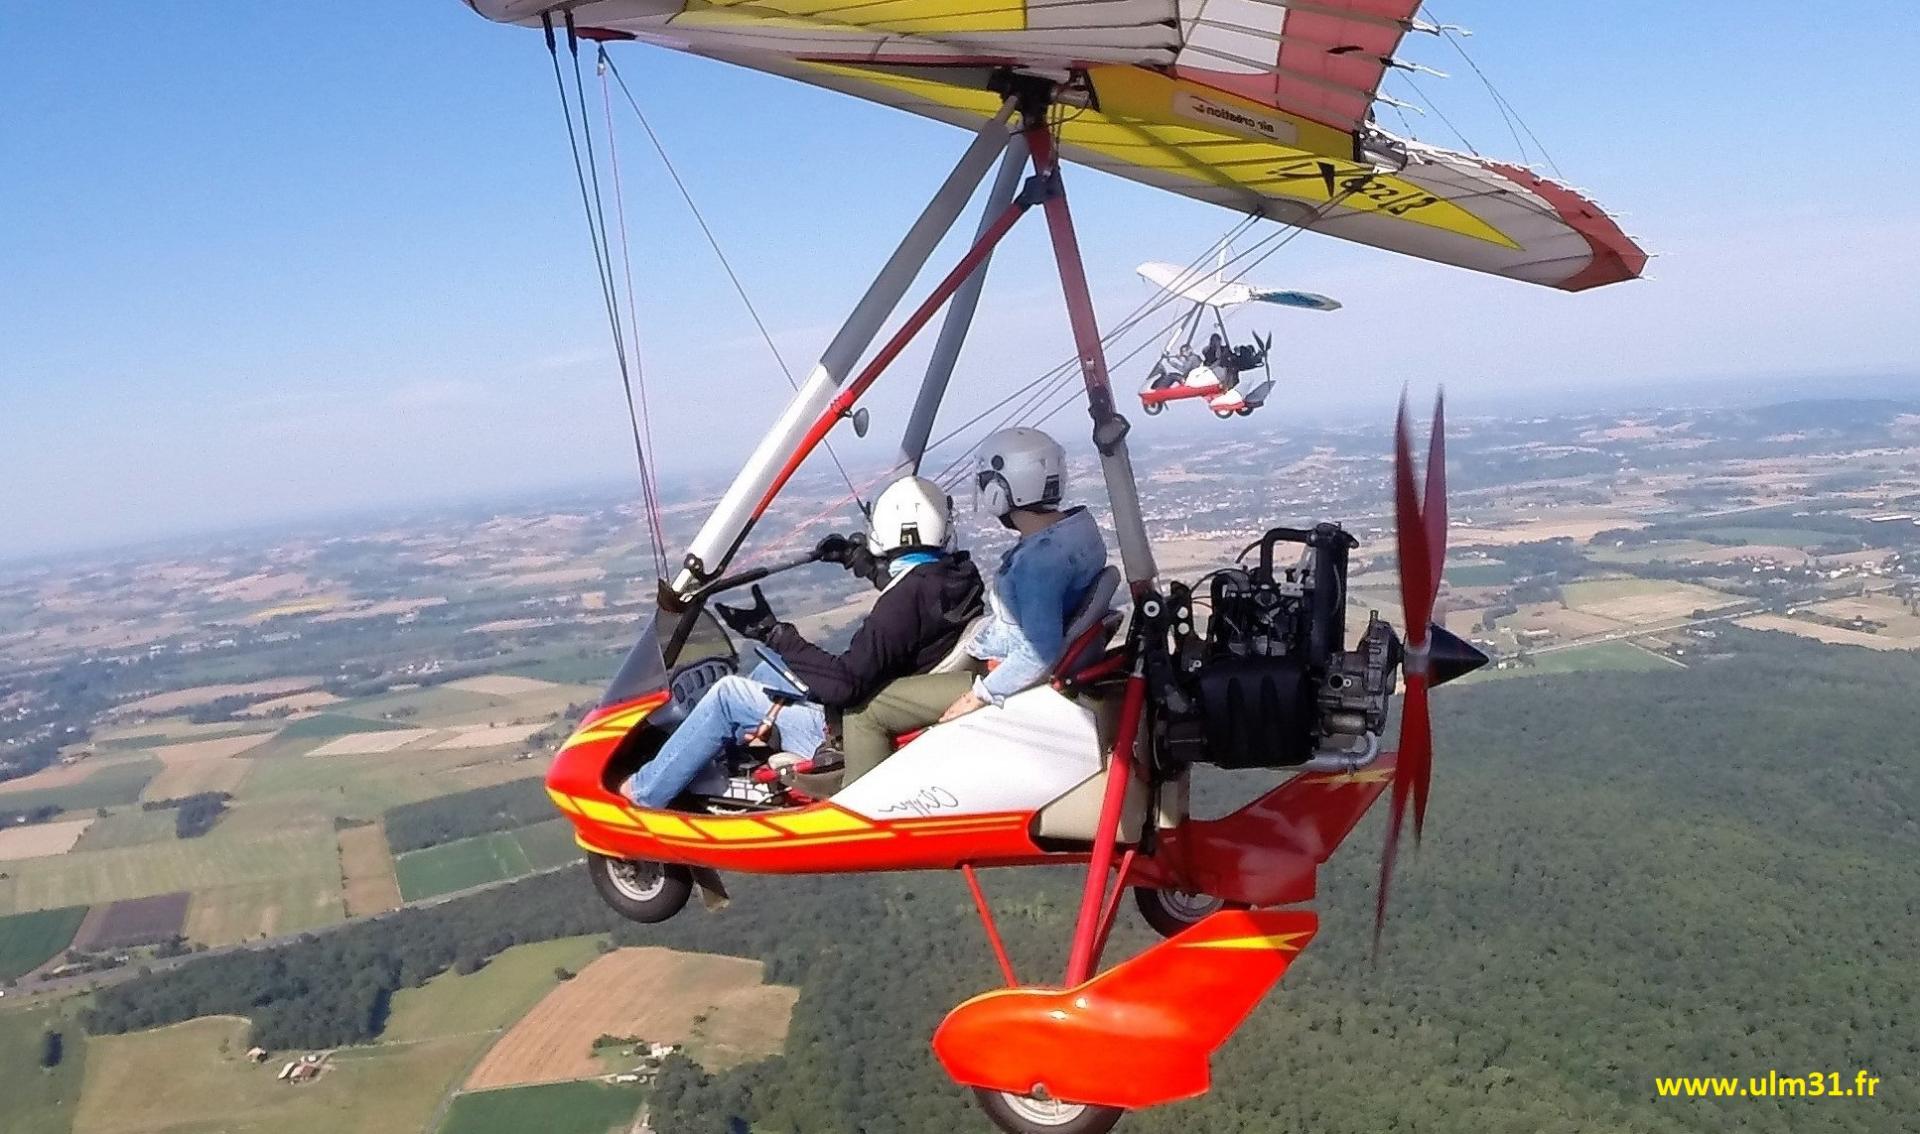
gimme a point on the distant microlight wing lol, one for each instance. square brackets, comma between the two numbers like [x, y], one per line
[1196, 285]
[1306, 300]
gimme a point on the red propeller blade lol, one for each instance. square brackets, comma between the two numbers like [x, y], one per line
[1420, 535]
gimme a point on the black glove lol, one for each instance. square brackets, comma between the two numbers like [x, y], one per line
[851, 551]
[756, 621]
[835, 549]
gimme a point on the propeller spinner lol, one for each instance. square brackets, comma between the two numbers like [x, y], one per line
[1433, 656]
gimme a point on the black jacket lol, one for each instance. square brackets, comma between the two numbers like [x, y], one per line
[914, 623]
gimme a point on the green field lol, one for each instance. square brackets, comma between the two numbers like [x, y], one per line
[194, 1078]
[325, 726]
[419, 707]
[483, 858]
[366, 787]
[549, 844]
[130, 828]
[1618, 656]
[29, 940]
[569, 669]
[1776, 537]
[1480, 574]
[111, 786]
[33, 1100]
[225, 915]
[551, 1108]
[488, 1000]
[218, 859]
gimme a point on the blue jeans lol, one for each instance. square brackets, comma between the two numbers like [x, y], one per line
[724, 713]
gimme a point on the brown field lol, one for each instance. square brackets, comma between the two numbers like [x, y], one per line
[202, 765]
[1578, 528]
[260, 587]
[39, 840]
[292, 703]
[366, 870]
[386, 609]
[369, 743]
[1563, 623]
[717, 1006]
[136, 921]
[500, 685]
[1642, 601]
[561, 577]
[1833, 635]
[65, 775]
[486, 736]
[206, 694]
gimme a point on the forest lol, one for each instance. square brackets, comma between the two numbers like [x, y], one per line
[1691, 871]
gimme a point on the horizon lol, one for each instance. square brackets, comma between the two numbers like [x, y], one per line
[258, 299]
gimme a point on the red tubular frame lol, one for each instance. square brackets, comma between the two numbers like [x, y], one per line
[1088, 935]
[986, 922]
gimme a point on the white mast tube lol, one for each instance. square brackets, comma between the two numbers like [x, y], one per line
[959, 317]
[734, 515]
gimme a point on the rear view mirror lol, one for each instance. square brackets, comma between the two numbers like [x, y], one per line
[861, 420]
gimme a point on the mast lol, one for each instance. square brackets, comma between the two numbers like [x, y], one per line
[744, 499]
[953, 330]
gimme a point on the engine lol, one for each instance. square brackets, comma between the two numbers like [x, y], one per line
[1269, 681]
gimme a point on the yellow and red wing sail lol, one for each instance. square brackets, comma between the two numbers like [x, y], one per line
[1259, 106]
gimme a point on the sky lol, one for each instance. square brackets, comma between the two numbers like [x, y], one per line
[270, 261]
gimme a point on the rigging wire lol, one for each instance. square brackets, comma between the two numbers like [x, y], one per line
[726, 265]
[1500, 101]
[648, 479]
[597, 233]
[1441, 114]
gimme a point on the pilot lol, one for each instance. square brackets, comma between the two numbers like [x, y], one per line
[929, 595]
[1020, 477]
[1216, 353]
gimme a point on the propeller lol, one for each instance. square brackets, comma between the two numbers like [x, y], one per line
[1432, 655]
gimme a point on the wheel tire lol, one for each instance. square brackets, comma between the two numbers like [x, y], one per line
[1223, 414]
[1246, 412]
[1023, 1114]
[646, 892]
[1170, 912]
[1152, 409]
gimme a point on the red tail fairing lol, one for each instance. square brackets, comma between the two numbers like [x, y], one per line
[1139, 1034]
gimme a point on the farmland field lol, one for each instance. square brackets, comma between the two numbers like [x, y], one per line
[1620, 656]
[500, 993]
[1639, 601]
[159, 868]
[717, 1006]
[34, 1101]
[552, 1108]
[38, 840]
[1802, 538]
[115, 784]
[195, 1077]
[128, 828]
[460, 864]
[224, 915]
[365, 787]
[136, 921]
[29, 940]
[485, 858]
[366, 870]
[324, 726]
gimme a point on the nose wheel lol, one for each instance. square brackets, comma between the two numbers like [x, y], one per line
[1026, 1114]
[646, 892]
[1171, 912]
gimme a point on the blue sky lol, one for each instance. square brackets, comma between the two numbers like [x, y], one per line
[270, 260]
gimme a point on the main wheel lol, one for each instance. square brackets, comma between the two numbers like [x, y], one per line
[646, 892]
[1024, 1114]
[1152, 409]
[1173, 911]
[1245, 411]
[1223, 414]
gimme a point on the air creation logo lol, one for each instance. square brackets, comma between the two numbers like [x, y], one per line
[1242, 121]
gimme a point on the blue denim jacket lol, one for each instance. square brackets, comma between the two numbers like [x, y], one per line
[1041, 579]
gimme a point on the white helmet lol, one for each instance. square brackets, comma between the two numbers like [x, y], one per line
[913, 513]
[1019, 468]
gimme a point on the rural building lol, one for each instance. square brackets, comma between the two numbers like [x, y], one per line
[256, 1055]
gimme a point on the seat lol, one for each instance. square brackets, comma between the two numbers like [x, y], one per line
[1091, 625]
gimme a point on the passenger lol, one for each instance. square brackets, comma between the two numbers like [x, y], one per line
[929, 595]
[1021, 477]
[1216, 353]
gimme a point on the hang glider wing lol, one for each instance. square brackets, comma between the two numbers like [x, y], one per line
[1260, 106]
[1306, 300]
